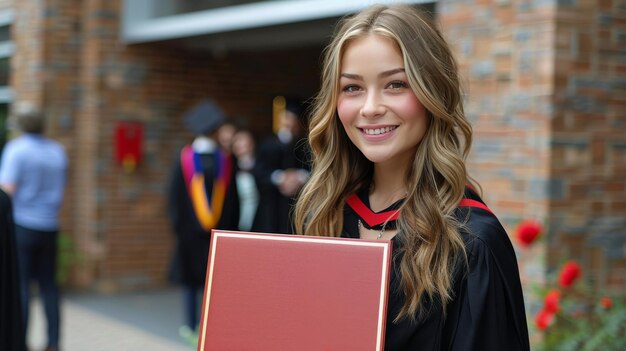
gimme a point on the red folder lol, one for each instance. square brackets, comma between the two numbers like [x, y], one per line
[286, 292]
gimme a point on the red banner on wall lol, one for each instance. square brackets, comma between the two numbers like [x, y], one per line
[129, 144]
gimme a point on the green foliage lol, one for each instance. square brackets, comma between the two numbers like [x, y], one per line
[67, 256]
[584, 324]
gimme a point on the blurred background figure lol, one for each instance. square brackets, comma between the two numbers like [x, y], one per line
[244, 149]
[12, 337]
[202, 196]
[225, 135]
[33, 171]
[282, 168]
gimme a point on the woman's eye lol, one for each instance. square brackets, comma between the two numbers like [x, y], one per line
[398, 84]
[350, 88]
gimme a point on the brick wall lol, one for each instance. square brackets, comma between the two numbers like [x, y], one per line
[588, 146]
[90, 81]
[546, 88]
[505, 51]
[27, 62]
[155, 84]
[6, 4]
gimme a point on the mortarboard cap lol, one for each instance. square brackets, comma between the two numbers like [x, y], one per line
[294, 106]
[204, 118]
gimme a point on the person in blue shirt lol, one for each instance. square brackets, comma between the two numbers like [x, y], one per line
[33, 171]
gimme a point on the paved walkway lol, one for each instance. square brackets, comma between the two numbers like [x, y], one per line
[121, 322]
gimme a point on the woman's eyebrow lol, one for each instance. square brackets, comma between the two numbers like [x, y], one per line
[384, 74]
[391, 72]
[352, 76]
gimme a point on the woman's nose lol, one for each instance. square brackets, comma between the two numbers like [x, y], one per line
[372, 106]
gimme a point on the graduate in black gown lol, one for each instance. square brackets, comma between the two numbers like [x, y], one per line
[389, 140]
[12, 336]
[281, 170]
[202, 195]
[487, 311]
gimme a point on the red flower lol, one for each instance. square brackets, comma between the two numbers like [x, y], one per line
[606, 303]
[551, 301]
[544, 319]
[527, 231]
[569, 273]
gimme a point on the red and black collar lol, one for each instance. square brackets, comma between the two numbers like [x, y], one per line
[359, 203]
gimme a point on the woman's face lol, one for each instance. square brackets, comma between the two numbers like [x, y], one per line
[379, 111]
[243, 144]
[225, 136]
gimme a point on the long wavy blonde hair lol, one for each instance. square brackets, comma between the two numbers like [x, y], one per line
[427, 229]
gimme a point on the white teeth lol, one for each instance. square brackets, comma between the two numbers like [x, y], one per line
[378, 131]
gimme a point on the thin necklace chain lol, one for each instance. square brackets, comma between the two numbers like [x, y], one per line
[382, 230]
[379, 235]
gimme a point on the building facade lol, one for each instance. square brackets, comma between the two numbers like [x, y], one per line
[545, 89]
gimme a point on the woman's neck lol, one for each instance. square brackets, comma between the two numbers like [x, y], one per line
[388, 185]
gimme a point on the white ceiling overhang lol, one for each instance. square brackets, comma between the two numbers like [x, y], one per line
[263, 23]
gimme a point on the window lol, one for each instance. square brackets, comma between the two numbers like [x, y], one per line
[4, 71]
[4, 115]
[5, 33]
[6, 94]
[176, 7]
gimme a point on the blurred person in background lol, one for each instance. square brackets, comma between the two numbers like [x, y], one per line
[281, 170]
[33, 171]
[202, 195]
[244, 150]
[12, 336]
[225, 135]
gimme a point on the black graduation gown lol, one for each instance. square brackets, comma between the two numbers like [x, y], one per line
[11, 333]
[487, 311]
[192, 245]
[274, 211]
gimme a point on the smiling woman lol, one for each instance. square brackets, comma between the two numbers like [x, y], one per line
[380, 113]
[389, 140]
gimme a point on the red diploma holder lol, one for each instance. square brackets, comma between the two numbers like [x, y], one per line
[287, 292]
